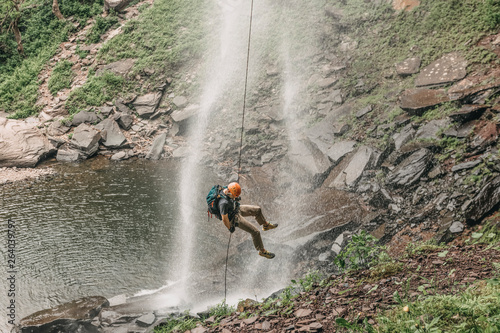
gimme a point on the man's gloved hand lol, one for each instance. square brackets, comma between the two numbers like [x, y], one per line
[237, 199]
[231, 230]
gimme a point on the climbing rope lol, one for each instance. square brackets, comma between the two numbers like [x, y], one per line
[241, 137]
[245, 92]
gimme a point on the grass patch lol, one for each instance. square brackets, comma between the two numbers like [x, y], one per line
[181, 324]
[61, 77]
[96, 91]
[101, 25]
[475, 310]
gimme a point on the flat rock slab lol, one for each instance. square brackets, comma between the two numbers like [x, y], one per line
[352, 173]
[121, 67]
[409, 66]
[417, 101]
[114, 136]
[64, 315]
[340, 149]
[487, 198]
[411, 169]
[468, 112]
[146, 105]
[450, 68]
[306, 154]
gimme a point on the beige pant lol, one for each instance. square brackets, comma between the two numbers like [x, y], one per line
[243, 224]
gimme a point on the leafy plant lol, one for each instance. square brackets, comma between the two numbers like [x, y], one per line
[61, 77]
[361, 252]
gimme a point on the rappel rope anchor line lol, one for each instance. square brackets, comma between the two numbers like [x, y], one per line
[241, 136]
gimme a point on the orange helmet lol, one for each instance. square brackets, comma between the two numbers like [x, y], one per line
[235, 189]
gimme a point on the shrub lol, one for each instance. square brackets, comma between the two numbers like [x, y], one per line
[61, 77]
[361, 252]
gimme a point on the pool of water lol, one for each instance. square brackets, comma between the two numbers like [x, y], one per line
[97, 228]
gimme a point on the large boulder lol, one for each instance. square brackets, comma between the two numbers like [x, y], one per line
[417, 101]
[487, 198]
[146, 105]
[351, 174]
[308, 156]
[69, 317]
[411, 169]
[114, 137]
[86, 139]
[22, 144]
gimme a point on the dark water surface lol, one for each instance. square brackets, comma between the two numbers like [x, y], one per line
[98, 228]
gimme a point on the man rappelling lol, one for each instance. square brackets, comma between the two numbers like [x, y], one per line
[223, 202]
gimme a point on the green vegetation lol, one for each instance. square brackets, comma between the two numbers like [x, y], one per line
[431, 245]
[95, 92]
[361, 252]
[61, 77]
[475, 310]
[180, 324]
[41, 33]
[101, 25]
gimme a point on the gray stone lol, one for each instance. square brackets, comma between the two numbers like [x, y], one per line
[411, 169]
[364, 111]
[181, 152]
[267, 157]
[353, 171]
[146, 320]
[408, 67]
[180, 101]
[121, 155]
[121, 67]
[465, 165]
[186, 113]
[406, 135]
[71, 317]
[456, 227]
[86, 140]
[432, 129]
[81, 117]
[324, 256]
[120, 105]
[336, 248]
[114, 136]
[487, 198]
[326, 83]
[68, 154]
[105, 110]
[57, 128]
[124, 120]
[381, 199]
[451, 67]
[306, 154]
[157, 147]
[146, 105]
[339, 150]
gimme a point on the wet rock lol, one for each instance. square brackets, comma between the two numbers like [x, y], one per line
[417, 101]
[339, 150]
[449, 68]
[146, 105]
[121, 67]
[157, 147]
[306, 154]
[467, 113]
[180, 101]
[119, 156]
[86, 139]
[22, 144]
[114, 137]
[406, 135]
[352, 173]
[487, 198]
[411, 169]
[182, 117]
[69, 317]
[146, 320]
[466, 165]
[88, 117]
[408, 67]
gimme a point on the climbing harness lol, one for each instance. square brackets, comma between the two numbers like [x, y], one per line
[241, 137]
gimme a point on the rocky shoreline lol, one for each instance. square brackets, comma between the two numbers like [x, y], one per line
[16, 175]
